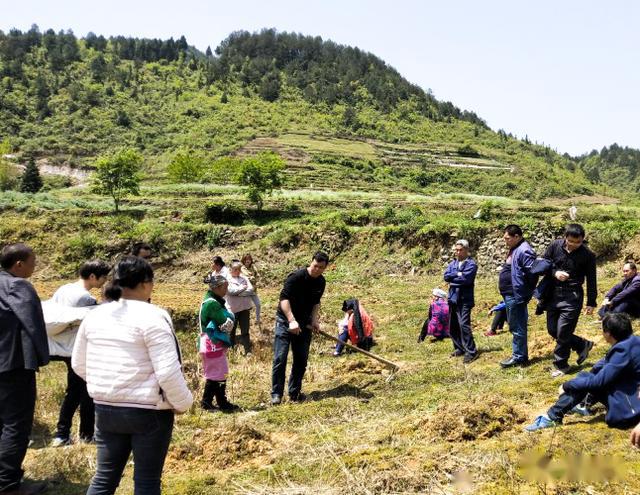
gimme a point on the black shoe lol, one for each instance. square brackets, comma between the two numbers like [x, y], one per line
[208, 406]
[298, 397]
[276, 400]
[457, 354]
[228, 407]
[470, 358]
[511, 362]
[584, 354]
[28, 488]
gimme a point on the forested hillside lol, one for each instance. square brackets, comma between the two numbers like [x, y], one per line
[614, 165]
[70, 100]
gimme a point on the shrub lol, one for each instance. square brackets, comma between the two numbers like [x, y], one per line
[225, 213]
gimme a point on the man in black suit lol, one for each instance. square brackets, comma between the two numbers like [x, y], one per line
[23, 349]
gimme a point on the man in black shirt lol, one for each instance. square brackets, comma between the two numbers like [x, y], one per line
[296, 317]
[571, 262]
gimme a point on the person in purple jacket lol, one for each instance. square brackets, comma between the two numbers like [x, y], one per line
[625, 296]
[461, 275]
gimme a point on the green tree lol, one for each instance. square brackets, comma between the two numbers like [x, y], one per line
[31, 181]
[185, 166]
[261, 174]
[118, 175]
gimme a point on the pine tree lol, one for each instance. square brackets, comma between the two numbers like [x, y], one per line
[31, 180]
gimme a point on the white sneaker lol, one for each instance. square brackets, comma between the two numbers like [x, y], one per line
[556, 372]
[60, 442]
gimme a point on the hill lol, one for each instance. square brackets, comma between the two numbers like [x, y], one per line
[69, 100]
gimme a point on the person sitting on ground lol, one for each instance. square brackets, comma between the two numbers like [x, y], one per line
[437, 323]
[142, 250]
[128, 354]
[217, 268]
[239, 300]
[249, 270]
[499, 312]
[613, 381]
[216, 322]
[93, 275]
[625, 296]
[356, 326]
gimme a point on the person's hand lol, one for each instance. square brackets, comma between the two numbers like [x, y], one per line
[490, 312]
[588, 310]
[635, 436]
[562, 275]
[227, 326]
[459, 274]
[606, 302]
[294, 328]
[561, 390]
[314, 326]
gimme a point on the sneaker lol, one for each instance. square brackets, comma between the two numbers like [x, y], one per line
[470, 358]
[298, 397]
[584, 354]
[457, 354]
[60, 442]
[558, 372]
[276, 400]
[540, 423]
[582, 410]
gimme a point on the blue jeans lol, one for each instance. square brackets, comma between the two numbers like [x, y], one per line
[122, 430]
[343, 336]
[299, 349]
[518, 318]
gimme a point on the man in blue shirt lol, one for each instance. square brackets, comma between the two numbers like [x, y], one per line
[461, 275]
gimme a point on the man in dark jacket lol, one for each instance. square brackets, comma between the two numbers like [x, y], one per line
[461, 276]
[516, 283]
[23, 349]
[571, 264]
[625, 296]
[296, 318]
[613, 381]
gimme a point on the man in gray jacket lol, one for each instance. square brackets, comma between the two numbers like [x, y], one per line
[23, 349]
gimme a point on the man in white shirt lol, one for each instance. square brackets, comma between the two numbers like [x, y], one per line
[93, 275]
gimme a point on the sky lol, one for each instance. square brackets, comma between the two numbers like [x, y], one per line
[565, 73]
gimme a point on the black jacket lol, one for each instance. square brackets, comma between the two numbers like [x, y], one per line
[580, 264]
[23, 335]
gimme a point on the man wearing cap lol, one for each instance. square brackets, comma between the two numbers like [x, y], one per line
[297, 316]
[461, 276]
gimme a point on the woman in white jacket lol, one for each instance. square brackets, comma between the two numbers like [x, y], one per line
[240, 301]
[128, 354]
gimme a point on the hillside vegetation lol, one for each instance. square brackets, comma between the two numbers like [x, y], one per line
[69, 100]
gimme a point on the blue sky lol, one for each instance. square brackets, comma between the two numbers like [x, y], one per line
[566, 73]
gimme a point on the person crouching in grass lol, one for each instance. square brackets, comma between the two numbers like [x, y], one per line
[216, 321]
[613, 381]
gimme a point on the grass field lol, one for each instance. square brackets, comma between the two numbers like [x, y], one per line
[437, 426]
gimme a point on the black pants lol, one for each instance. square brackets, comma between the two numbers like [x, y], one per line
[460, 329]
[243, 320]
[563, 312]
[299, 345]
[569, 400]
[17, 404]
[75, 395]
[499, 319]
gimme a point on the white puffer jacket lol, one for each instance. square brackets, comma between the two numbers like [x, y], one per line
[128, 354]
